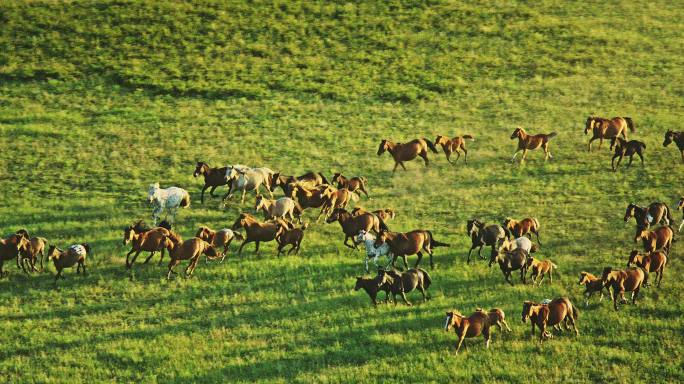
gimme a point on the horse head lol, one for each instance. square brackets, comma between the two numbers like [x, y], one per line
[384, 145]
[441, 140]
[527, 310]
[633, 258]
[630, 211]
[152, 192]
[517, 133]
[584, 278]
[589, 124]
[669, 136]
[200, 169]
[452, 319]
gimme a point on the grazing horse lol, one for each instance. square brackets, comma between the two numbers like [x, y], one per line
[530, 142]
[474, 325]
[678, 138]
[168, 198]
[651, 262]
[213, 177]
[661, 238]
[523, 227]
[409, 243]
[607, 129]
[407, 151]
[655, 213]
[626, 148]
[680, 206]
[401, 283]
[354, 184]
[456, 144]
[551, 314]
[248, 180]
[629, 280]
[481, 235]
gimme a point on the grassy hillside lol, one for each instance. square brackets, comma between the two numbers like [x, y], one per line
[98, 100]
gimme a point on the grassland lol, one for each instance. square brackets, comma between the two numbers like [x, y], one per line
[99, 99]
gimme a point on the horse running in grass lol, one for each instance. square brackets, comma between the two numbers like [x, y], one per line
[169, 199]
[456, 144]
[407, 151]
[531, 142]
[607, 128]
[678, 138]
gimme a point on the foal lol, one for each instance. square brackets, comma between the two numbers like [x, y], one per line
[592, 284]
[355, 184]
[626, 148]
[530, 142]
[456, 144]
[407, 151]
[678, 138]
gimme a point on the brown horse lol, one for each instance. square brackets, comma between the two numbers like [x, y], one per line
[354, 184]
[549, 315]
[511, 261]
[456, 144]
[661, 238]
[374, 285]
[352, 225]
[407, 151]
[531, 142]
[472, 326]
[29, 256]
[221, 238]
[190, 249]
[148, 241]
[401, 283]
[310, 179]
[409, 243]
[678, 138]
[293, 237]
[523, 227]
[334, 199]
[592, 284]
[256, 231]
[626, 148]
[629, 280]
[10, 248]
[653, 262]
[213, 177]
[74, 255]
[496, 317]
[655, 213]
[607, 128]
[384, 214]
[680, 206]
[540, 268]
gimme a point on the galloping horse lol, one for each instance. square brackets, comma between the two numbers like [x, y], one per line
[655, 213]
[453, 145]
[626, 148]
[678, 138]
[168, 198]
[607, 128]
[407, 151]
[530, 142]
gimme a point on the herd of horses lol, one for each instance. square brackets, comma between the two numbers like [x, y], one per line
[510, 242]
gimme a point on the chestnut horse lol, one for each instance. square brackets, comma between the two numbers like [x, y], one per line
[678, 138]
[523, 227]
[629, 280]
[655, 213]
[530, 142]
[551, 314]
[456, 144]
[472, 326]
[407, 151]
[409, 243]
[607, 129]
[660, 238]
[626, 148]
[651, 262]
[354, 184]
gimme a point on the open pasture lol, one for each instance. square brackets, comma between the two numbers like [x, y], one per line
[97, 101]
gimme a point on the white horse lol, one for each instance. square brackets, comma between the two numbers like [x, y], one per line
[248, 180]
[168, 198]
[368, 239]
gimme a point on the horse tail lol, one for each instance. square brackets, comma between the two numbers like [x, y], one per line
[381, 224]
[643, 145]
[630, 124]
[668, 214]
[469, 137]
[552, 134]
[434, 243]
[554, 266]
[325, 181]
[427, 280]
[430, 144]
[185, 201]
[305, 226]
[575, 311]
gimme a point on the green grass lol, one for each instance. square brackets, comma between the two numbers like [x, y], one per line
[100, 99]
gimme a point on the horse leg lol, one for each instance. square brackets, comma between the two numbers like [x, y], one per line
[405, 262]
[149, 257]
[422, 291]
[241, 246]
[244, 192]
[161, 257]
[396, 164]
[547, 153]
[536, 233]
[487, 336]
[423, 154]
[403, 296]
[612, 162]
[134, 258]
[202, 194]
[420, 257]
[590, 140]
[471, 249]
[465, 155]
[631, 158]
[257, 247]
[461, 337]
[641, 156]
[172, 264]
[524, 155]
[507, 276]
[514, 155]
[84, 268]
[448, 155]
[402, 165]
[127, 256]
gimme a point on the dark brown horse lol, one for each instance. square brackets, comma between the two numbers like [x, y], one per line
[354, 184]
[10, 249]
[511, 261]
[551, 314]
[607, 128]
[256, 231]
[456, 144]
[531, 142]
[407, 151]
[352, 225]
[678, 138]
[680, 206]
[409, 243]
[213, 177]
[626, 148]
[482, 234]
[655, 213]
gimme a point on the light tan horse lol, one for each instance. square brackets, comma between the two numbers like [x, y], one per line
[456, 144]
[407, 151]
[607, 128]
[531, 142]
